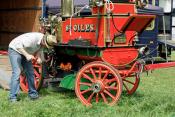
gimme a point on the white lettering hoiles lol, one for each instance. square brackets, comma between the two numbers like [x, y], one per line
[81, 28]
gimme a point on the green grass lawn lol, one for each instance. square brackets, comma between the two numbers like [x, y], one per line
[155, 97]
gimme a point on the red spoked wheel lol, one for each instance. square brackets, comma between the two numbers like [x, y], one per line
[98, 82]
[38, 79]
[131, 83]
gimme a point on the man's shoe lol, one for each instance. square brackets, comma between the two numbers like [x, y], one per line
[34, 97]
[13, 100]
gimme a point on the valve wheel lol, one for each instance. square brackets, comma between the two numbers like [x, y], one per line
[37, 79]
[98, 82]
[131, 83]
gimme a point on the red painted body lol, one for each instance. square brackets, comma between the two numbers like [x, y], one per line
[119, 56]
[84, 28]
[120, 21]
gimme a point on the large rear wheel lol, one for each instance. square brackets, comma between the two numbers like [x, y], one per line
[98, 82]
[38, 80]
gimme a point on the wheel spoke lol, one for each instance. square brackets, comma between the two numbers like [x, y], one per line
[111, 80]
[85, 83]
[104, 98]
[128, 81]
[107, 92]
[87, 77]
[85, 91]
[97, 97]
[99, 76]
[36, 73]
[27, 85]
[111, 88]
[126, 87]
[106, 74]
[92, 71]
[90, 97]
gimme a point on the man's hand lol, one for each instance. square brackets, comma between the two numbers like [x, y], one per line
[39, 61]
[30, 57]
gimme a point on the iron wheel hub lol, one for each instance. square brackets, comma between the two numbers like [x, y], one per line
[97, 87]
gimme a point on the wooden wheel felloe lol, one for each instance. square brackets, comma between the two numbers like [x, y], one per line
[98, 82]
[38, 79]
[131, 83]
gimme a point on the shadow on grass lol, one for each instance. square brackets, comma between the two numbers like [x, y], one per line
[58, 90]
[136, 94]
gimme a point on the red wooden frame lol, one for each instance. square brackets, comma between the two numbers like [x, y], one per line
[159, 66]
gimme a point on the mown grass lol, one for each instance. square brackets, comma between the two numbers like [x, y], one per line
[155, 97]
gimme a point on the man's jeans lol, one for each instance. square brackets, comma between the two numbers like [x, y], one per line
[19, 63]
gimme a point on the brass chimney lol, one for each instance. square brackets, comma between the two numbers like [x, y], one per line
[67, 8]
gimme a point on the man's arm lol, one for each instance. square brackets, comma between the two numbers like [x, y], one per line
[28, 56]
